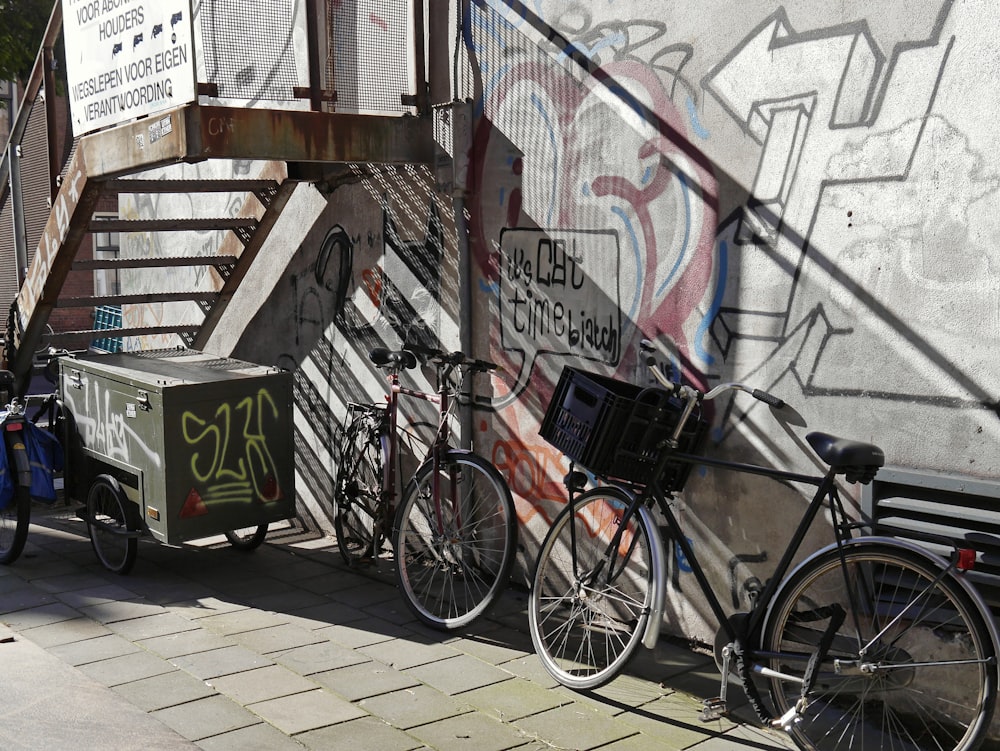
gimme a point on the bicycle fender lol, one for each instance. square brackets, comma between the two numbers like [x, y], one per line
[655, 620]
[933, 558]
[487, 464]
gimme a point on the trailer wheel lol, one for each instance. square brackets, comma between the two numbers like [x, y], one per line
[113, 525]
[247, 538]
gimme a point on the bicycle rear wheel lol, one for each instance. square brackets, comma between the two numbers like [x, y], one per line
[908, 668]
[451, 569]
[14, 520]
[589, 604]
[358, 491]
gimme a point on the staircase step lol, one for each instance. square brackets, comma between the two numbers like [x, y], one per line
[171, 225]
[234, 185]
[139, 298]
[152, 262]
[80, 339]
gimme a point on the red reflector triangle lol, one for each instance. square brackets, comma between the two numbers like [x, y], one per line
[193, 506]
[270, 491]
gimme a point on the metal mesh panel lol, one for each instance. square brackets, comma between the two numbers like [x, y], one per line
[35, 185]
[248, 49]
[8, 263]
[370, 61]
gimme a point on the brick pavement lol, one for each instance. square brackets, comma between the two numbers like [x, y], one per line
[285, 648]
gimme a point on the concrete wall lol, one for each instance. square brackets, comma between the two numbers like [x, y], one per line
[801, 196]
[796, 195]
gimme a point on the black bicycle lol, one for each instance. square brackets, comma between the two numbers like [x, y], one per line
[871, 642]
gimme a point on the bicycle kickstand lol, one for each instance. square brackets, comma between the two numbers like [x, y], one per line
[715, 708]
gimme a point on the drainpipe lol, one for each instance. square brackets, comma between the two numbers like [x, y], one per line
[461, 124]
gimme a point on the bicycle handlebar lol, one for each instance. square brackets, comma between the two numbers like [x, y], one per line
[690, 393]
[407, 358]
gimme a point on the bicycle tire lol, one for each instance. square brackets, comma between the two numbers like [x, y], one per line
[247, 539]
[586, 625]
[908, 690]
[15, 518]
[358, 492]
[450, 579]
[111, 520]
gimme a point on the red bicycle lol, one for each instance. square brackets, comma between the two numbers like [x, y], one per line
[453, 527]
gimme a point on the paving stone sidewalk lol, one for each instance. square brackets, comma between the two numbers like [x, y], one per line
[285, 648]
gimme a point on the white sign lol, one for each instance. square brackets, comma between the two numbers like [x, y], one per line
[126, 59]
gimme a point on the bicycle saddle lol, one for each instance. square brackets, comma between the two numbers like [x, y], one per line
[859, 461]
[403, 358]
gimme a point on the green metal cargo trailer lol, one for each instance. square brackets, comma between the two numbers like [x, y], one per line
[178, 445]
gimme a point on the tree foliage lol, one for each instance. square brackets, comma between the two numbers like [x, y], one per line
[22, 26]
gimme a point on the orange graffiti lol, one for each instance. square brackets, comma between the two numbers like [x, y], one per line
[528, 470]
[373, 283]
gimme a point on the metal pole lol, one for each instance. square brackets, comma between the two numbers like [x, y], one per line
[49, 84]
[420, 58]
[20, 234]
[312, 34]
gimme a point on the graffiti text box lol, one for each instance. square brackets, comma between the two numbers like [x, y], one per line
[559, 293]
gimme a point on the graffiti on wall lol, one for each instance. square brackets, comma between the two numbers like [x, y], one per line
[816, 230]
[559, 294]
[828, 111]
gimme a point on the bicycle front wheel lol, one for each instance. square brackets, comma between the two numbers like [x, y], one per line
[590, 600]
[454, 552]
[911, 666]
[358, 493]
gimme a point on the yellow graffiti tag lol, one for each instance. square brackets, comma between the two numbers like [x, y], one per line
[217, 461]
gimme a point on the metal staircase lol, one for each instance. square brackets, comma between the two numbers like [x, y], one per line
[301, 145]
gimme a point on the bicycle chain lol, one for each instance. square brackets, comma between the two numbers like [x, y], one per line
[749, 687]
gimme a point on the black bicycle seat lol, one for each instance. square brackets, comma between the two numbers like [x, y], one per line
[858, 460]
[403, 358]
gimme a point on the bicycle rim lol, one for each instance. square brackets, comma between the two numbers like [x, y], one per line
[450, 570]
[589, 605]
[111, 518]
[923, 681]
[358, 497]
[14, 520]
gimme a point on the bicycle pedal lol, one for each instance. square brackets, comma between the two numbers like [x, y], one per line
[713, 709]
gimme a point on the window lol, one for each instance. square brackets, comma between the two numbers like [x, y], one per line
[106, 281]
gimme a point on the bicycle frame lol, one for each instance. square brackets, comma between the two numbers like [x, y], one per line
[651, 494]
[438, 447]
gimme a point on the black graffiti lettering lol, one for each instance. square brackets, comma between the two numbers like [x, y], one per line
[547, 261]
[558, 319]
[519, 267]
[557, 268]
[593, 333]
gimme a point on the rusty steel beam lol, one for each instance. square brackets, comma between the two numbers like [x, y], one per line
[194, 133]
[66, 227]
